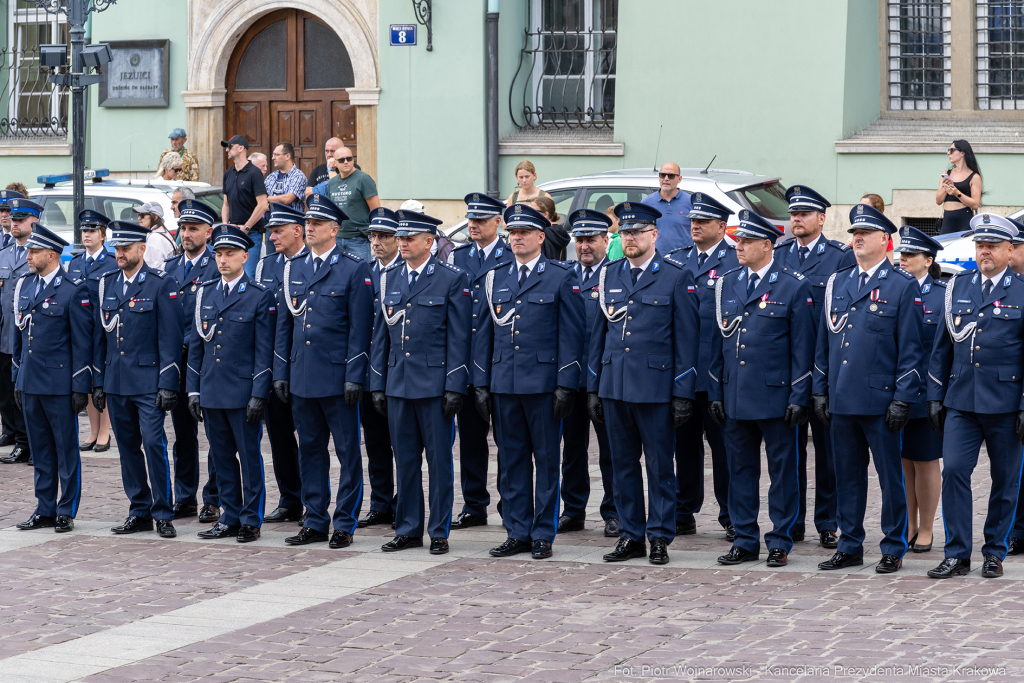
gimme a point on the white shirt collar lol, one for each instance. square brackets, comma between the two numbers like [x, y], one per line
[764, 271]
[871, 271]
[47, 279]
[195, 260]
[711, 250]
[813, 244]
[921, 279]
[418, 270]
[231, 285]
[643, 266]
[489, 248]
[529, 266]
[131, 279]
[995, 280]
[324, 255]
[397, 254]
[94, 254]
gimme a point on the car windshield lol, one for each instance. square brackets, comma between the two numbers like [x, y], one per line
[767, 200]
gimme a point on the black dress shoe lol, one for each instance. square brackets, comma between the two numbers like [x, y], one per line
[306, 536]
[219, 530]
[890, 564]
[950, 567]
[828, 539]
[64, 524]
[777, 557]
[798, 536]
[283, 515]
[566, 524]
[37, 522]
[133, 525]
[6, 440]
[209, 513]
[611, 528]
[30, 462]
[736, 555]
[730, 532]
[101, 447]
[165, 528]
[374, 517]
[302, 522]
[19, 454]
[841, 560]
[438, 546]
[340, 539]
[466, 520]
[182, 510]
[685, 529]
[626, 549]
[541, 550]
[511, 546]
[1016, 546]
[83, 447]
[991, 568]
[659, 552]
[248, 533]
[401, 543]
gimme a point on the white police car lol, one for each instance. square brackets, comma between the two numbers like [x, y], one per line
[958, 249]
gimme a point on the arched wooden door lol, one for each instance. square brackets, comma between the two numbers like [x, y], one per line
[285, 83]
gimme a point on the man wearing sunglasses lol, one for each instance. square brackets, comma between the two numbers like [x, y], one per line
[356, 194]
[674, 205]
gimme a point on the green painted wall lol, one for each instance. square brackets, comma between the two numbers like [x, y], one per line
[861, 88]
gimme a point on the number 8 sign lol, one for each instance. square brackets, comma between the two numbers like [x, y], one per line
[403, 34]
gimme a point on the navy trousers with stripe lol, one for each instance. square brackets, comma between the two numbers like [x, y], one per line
[853, 436]
[473, 460]
[53, 441]
[528, 436]
[743, 446]
[417, 425]
[138, 425]
[317, 420]
[241, 481]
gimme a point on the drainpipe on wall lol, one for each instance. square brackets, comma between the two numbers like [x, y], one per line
[492, 98]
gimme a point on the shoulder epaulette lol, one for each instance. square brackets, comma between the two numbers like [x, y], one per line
[450, 266]
[942, 283]
[357, 259]
[897, 269]
[467, 245]
[786, 243]
[840, 245]
[560, 264]
[109, 272]
[677, 249]
[258, 285]
[301, 255]
[842, 270]
[173, 258]
[388, 269]
[736, 269]
[798, 276]
[210, 282]
[158, 273]
[76, 281]
[670, 258]
[621, 258]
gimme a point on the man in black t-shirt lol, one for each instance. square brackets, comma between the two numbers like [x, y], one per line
[245, 196]
[319, 173]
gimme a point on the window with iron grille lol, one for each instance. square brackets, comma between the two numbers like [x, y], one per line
[1000, 25]
[566, 74]
[34, 108]
[919, 54]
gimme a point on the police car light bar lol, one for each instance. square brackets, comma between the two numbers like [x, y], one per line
[49, 181]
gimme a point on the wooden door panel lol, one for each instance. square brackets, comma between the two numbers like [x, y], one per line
[300, 124]
[247, 121]
[343, 123]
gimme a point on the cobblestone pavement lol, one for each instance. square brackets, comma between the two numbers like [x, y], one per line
[88, 606]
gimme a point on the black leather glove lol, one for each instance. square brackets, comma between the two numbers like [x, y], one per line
[353, 393]
[380, 402]
[594, 407]
[682, 410]
[194, 408]
[896, 416]
[451, 403]
[717, 411]
[562, 402]
[795, 415]
[281, 390]
[1018, 427]
[17, 399]
[166, 400]
[254, 410]
[819, 403]
[484, 403]
[78, 402]
[937, 416]
[99, 399]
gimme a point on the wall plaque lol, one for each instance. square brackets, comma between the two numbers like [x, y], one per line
[138, 75]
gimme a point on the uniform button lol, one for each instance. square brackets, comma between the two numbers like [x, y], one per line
[407, 354]
[307, 343]
[844, 362]
[476, 301]
[981, 315]
[629, 317]
[120, 310]
[627, 350]
[517, 317]
[630, 303]
[408, 305]
[517, 348]
[853, 308]
[220, 319]
[311, 292]
[308, 326]
[218, 332]
[474, 315]
[519, 302]
[406, 339]
[743, 331]
[849, 327]
[629, 334]
[30, 351]
[122, 353]
[474, 329]
[408, 320]
[977, 348]
[743, 362]
[977, 365]
[218, 360]
[746, 314]
[218, 346]
[517, 331]
[847, 343]
[477, 287]
[121, 339]
[743, 346]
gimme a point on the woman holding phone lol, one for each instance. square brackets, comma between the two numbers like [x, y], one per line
[959, 190]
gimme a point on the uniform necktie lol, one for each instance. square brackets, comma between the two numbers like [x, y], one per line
[986, 289]
[752, 283]
[124, 291]
[587, 272]
[20, 253]
[7, 239]
[188, 269]
[88, 264]
[39, 285]
[701, 258]
[317, 262]
[224, 291]
[524, 272]
[635, 273]
[413, 275]
[863, 281]
[803, 251]
[480, 257]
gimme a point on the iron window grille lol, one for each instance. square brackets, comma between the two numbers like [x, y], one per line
[1000, 26]
[32, 107]
[920, 55]
[566, 73]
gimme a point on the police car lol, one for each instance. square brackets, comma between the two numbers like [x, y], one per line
[958, 249]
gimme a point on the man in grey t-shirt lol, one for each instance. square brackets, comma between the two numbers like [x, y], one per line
[356, 194]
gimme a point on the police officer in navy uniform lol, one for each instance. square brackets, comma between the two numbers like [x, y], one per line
[974, 394]
[380, 465]
[710, 256]
[642, 367]
[419, 376]
[6, 238]
[866, 378]
[286, 227]
[486, 251]
[760, 386]
[320, 358]
[13, 266]
[6, 386]
[137, 342]
[193, 267]
[589, 229]
[229, 363]
[53, 376]
[920, 445]
[816, 257]
[533, 336]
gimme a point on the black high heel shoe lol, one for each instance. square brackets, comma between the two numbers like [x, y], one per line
[100, 447]
[921, 548]
[87, 446]
[912, 541]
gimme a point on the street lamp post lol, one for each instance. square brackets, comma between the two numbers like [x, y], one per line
[78, 80]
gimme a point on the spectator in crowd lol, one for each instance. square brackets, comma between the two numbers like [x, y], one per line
[614, 242]
[674, 205]
[959, 191]
[319, 174]
[189, 162]
[245, 196]
[355, 193]
[18, 187]
[287, 184]
[555, 235]
[179, 195]
[876, 201]
[526, 176]
[160, 244]
[259, 160]
[169, 168]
